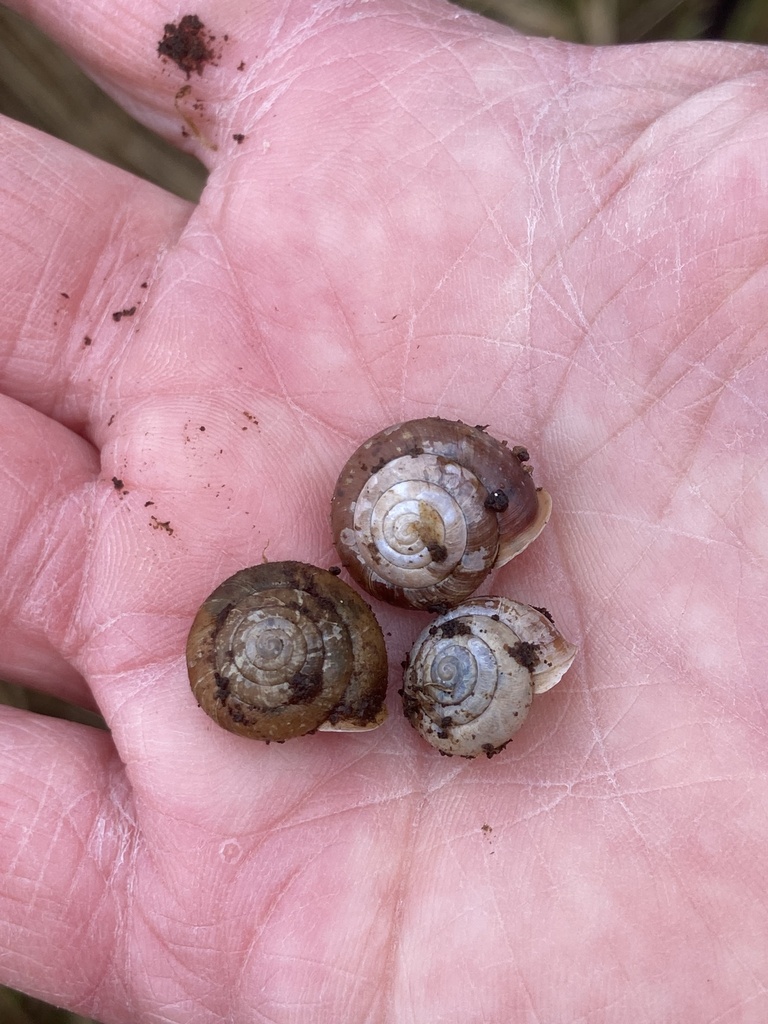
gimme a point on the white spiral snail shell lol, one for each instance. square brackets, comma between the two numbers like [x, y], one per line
[424, 510]
[472, 674]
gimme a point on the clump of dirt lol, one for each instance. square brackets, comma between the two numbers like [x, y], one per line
[188, 44]
[118, 316]
[525, 654]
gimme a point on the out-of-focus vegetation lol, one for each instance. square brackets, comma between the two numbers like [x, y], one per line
[607, 22]
[16, 1008]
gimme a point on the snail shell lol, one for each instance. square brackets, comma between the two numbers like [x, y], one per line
[282, 649]
[472, 674]
[424, 510]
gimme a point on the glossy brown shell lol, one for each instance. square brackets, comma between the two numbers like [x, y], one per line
[281, 649]
[424, 510]
[472, 674]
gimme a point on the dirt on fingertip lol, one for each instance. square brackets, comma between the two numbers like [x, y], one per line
[188, 44]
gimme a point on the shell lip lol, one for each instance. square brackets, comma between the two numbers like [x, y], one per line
[351, 724]
[513, 544]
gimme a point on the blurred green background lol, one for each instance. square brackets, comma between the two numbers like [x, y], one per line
[42, 87]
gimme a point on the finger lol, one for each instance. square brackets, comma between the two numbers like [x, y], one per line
[45, 473]
[162, 66]
[65, 838]
[81, 243]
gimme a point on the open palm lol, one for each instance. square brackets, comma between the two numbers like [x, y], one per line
[410, 212]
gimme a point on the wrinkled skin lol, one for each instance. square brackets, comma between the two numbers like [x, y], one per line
[428, 215]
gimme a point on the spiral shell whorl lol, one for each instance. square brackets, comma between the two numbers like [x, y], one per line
[282, 649]
[412, 513]
[472, 674]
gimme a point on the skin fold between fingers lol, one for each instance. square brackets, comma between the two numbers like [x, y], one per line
[82, 244]
[46, 475]
[67, 841]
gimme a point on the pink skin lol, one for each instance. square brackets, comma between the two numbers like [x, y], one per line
[428, 215]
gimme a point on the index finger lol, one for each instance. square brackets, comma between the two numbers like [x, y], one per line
[176, 73]
[81, 243]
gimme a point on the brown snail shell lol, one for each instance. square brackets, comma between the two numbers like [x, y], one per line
[284, 648]
[424, 510]
[472, 674]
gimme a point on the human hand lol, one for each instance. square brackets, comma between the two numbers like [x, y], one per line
[427, 215]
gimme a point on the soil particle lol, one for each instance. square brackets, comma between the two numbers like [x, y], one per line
[364, 710]
[188, 45]
[411, 708]
[155, 523]
[443, 727]
[451, 628]
[118, 316]
[497, 501]
[490, 751]
[546, 613]
[304, 688]
[524, 653]
[439, 552]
